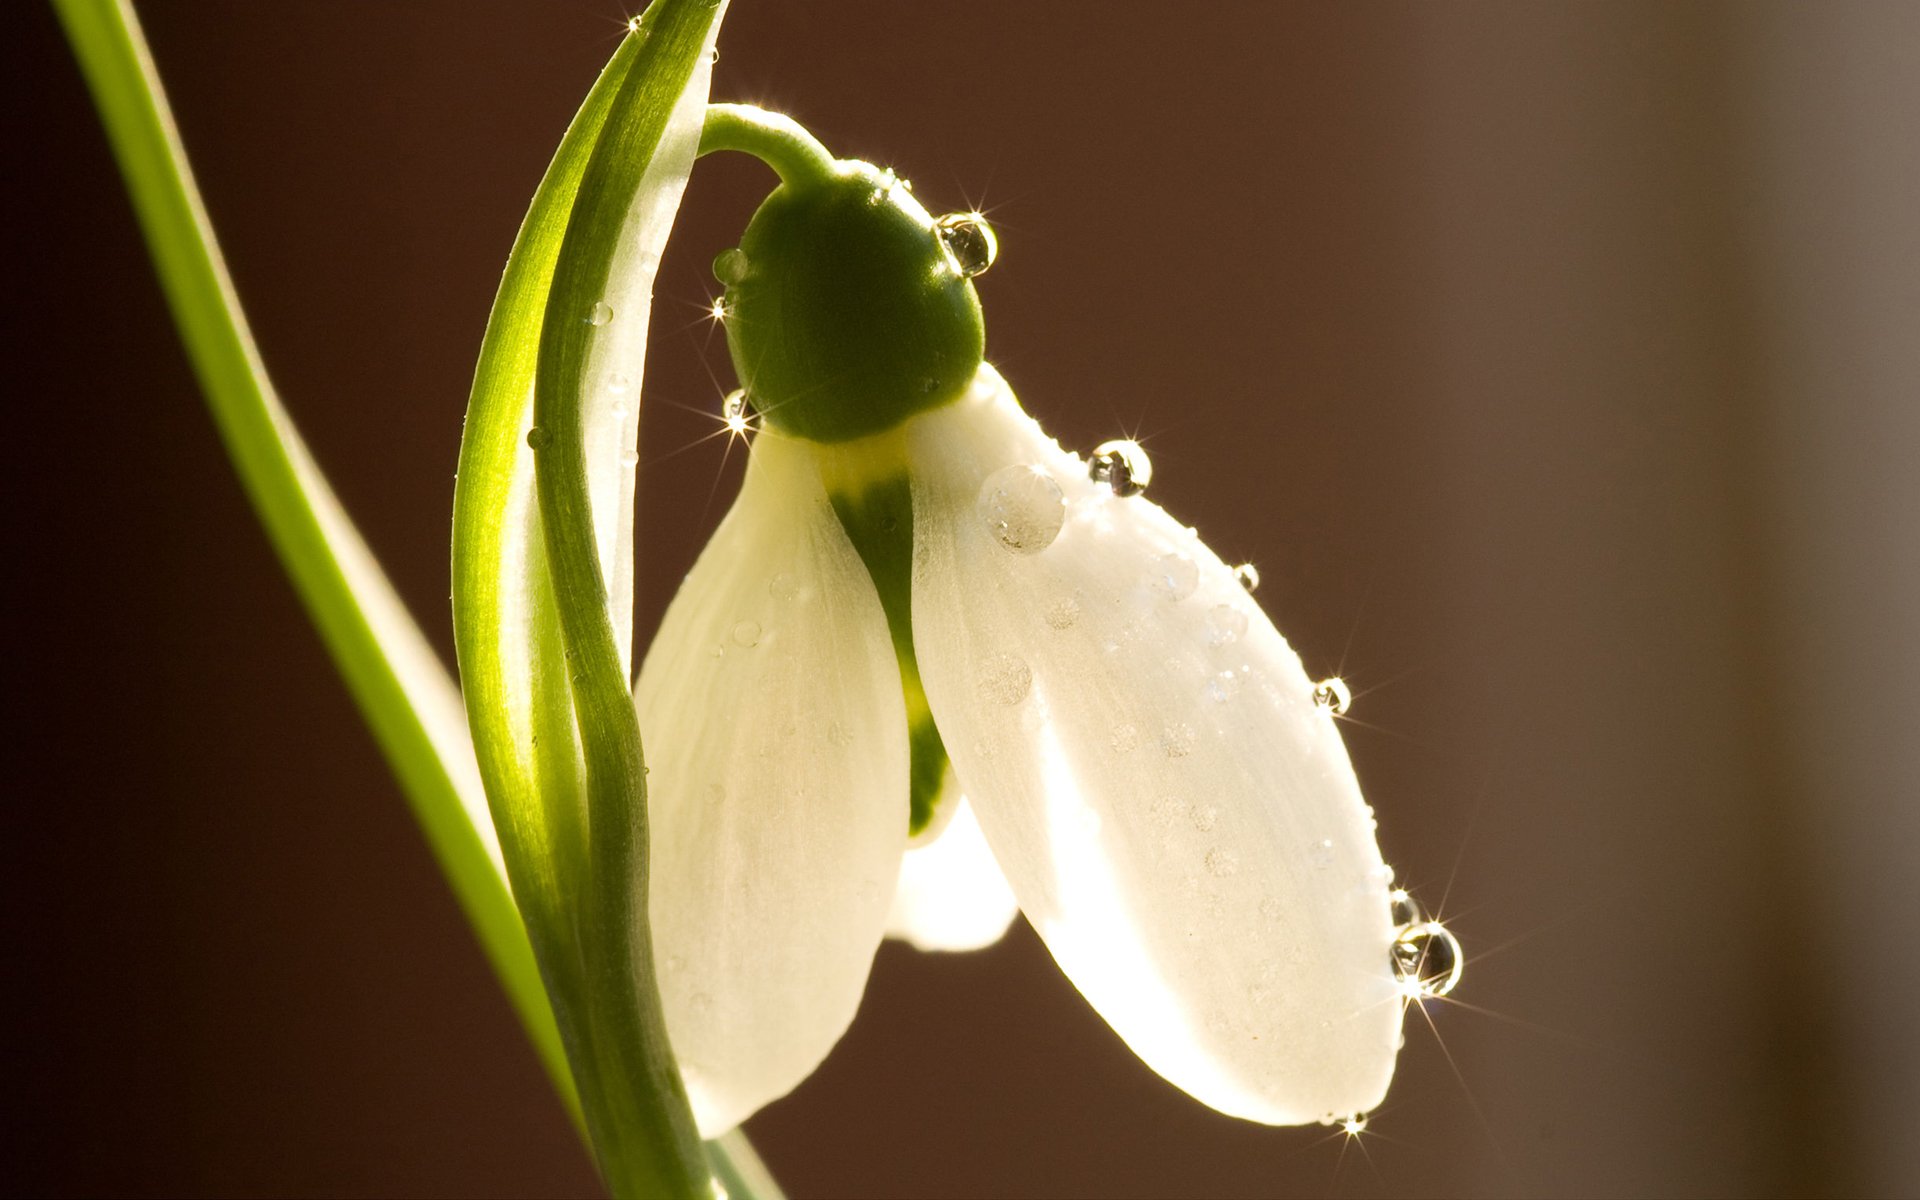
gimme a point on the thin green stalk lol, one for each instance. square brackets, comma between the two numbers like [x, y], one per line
[774, 138]
[399, 685]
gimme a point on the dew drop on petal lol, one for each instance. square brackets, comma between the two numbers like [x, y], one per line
[746, 633]
[1221, 687]
[967, 242]
[1175, 576]
[1225, 625]
[537, 438]
[1248, 575]
[629, 458]
[783, 587]
[1005, 679]
[1062, 614]
[1332, 695]
[1321, 852]
[619, 383]
[1354, 1125]
[1426, 959]
[1403, 910]
[731, 266]
[1122, 465]
[1023, 508]
[600, 313]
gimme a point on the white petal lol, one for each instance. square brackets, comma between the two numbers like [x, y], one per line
[1178, 819]
[776, 739]
[618, 356]
[952, 895]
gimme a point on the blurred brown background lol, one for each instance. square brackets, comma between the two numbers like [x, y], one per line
[1557, 365]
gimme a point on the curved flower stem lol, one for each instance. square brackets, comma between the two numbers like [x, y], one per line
[774, 138]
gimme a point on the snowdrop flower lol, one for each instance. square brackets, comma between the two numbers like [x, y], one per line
[931, 664]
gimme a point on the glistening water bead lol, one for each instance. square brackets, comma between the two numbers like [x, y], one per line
[1023, 508]
[733, 410]
[1333, 695]
[731, 266]
[1426, 959]
[968, 243]
[1122, 465]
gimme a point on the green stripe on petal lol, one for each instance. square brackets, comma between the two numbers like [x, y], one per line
[878, 519]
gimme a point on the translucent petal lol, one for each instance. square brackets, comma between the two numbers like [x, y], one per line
[1177, 817]
[777, 745]
[952, 895]
[619, 354]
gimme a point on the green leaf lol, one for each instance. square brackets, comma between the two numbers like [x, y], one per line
[400, 685]
[543, 579]
[402, 689]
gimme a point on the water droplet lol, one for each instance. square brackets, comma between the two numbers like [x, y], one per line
[1402, 909]
[1222, 862]
[717, 1189]
[1332, 695]
[619, 383]
[1176, 740]
[1248, 575]
[713, 55]
[746, 633]
[1354, 1125]
[1204, 816]
[1221, 687]
[629, 458]
[701, 1003]
[1124, 737]
[968, 243]
[719, 650]
[1061, 614]
[1023, 507]
[718, 310]
[1121, 465]
[1321, 852]
[731, 266]
[600, 313]
[1004, 679]
[537, 438]
[783, 587]
[733, 410]
[1426, 959]
[1225, 625]
[1175, 576]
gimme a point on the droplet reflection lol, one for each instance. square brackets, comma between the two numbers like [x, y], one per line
[968, 243]
[1121, 465]
[1023, 508]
